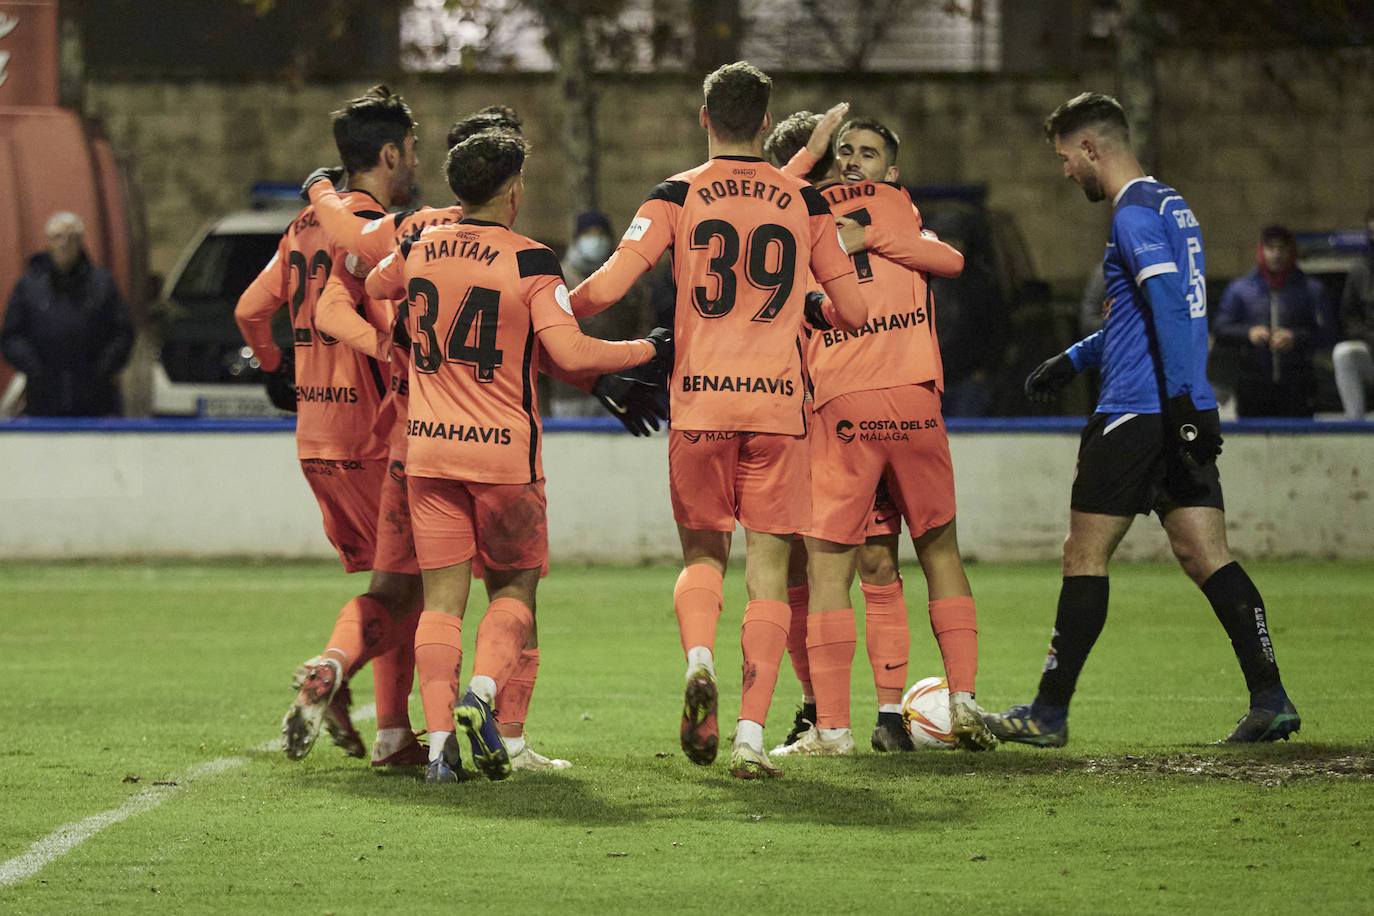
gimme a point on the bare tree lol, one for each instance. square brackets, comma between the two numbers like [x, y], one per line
[567, 26]
[717, 29]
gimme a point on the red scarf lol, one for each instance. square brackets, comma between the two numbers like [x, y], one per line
[1276, 279]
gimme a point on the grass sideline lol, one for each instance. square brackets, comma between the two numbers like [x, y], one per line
[117, 677]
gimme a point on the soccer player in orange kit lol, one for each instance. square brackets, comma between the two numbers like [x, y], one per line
[339, 394]
[481, 299]
[743, 236]
[879, 426]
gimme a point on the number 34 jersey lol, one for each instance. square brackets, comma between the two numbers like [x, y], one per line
[743, 234]
[477, 296]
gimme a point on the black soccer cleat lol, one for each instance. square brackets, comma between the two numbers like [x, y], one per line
[1266, 725]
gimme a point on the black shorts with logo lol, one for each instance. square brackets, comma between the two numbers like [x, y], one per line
[1123, 468]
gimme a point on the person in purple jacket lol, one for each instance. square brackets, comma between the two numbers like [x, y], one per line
[1279, 318]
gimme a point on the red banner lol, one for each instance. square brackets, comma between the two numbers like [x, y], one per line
[28, 52]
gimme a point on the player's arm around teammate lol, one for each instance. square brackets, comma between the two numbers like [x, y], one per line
[477, 489]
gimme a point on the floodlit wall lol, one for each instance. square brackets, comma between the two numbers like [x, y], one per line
[138, 493]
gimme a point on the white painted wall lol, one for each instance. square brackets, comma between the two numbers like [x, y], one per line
[192, 494]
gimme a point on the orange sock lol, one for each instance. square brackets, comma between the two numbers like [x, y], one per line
[955, 623]
[763, 638]
[504, 630]
[887, 633]
[393, 674]
[439, 659]
[697, 599]
[513, 697]
[798, 596]
[362, 631]
[830, 640]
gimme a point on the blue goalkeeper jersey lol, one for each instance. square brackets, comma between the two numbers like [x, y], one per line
[1143, 357]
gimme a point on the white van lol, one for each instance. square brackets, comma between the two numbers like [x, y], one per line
[203, 367]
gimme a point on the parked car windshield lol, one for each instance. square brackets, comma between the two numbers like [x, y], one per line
[222, 267]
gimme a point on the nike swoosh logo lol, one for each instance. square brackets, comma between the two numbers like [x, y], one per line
[894, 667]
[884, 521]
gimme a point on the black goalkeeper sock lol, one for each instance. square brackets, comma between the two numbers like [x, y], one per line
[1240, 609]
[1077, 624]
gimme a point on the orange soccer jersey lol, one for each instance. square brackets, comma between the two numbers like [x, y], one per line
[743, 235]
[481, 301]
[338, 389]
[897, 345]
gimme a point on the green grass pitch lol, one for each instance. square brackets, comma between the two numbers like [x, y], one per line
[137, 702]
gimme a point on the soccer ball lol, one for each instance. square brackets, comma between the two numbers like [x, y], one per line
[925, 709]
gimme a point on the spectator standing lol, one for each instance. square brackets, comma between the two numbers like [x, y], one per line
[67, 329]
[1280, 318]
[591, 245]
[1351, 357]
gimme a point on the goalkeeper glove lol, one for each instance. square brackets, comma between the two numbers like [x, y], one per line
[1049, 378]
[638, 404]
[1186, 431]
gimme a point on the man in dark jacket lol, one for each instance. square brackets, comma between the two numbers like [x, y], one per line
[1280, 318]
[66, 329]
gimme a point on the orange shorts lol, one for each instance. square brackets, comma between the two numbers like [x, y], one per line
[760, 479]
[892, 436]
[501, 526]
[884, 518]
[395, 537]
[349, 494]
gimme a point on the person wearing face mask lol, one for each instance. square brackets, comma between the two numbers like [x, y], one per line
[1351, 357]
[66, 328]
[592, 243]
[1279, 318]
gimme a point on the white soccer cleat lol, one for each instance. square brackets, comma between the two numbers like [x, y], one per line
[533, 761]
[752, 763]
[811, 744]
[966, 723]
[319, 682]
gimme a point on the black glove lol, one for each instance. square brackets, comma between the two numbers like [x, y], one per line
[1186, 431]
[330, 173]
[1049, 378]
[637, 403]
[281, 382]
[662, 339]
[811, 309]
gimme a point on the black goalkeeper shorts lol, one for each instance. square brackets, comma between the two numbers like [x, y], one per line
[1123, 469]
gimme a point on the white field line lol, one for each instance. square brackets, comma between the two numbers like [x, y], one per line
[69, 836]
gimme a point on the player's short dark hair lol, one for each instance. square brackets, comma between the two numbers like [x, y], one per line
[1088, 109]
[889, 136]
[504, 111]
[481, 164]
[790, 135]
[737, 100]
[500, 116]
[366, 124]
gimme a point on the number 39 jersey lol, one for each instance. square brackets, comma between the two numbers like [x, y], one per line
[477, 296]
[743, 234]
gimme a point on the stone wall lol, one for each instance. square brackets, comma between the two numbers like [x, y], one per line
[1249, 139]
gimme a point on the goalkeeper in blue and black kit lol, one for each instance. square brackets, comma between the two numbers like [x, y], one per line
[1153, 440]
